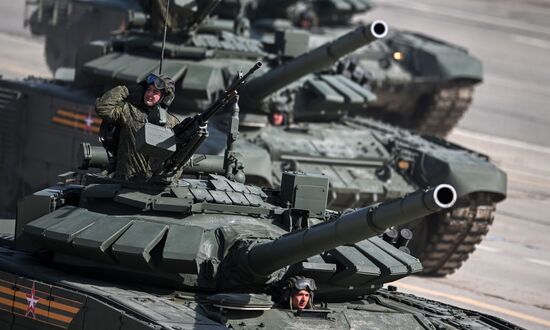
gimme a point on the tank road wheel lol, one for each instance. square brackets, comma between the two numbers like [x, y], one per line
[438, 113]
[447, 239]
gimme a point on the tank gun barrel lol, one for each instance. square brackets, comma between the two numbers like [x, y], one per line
[187, 131]
[265, 258]
[314, 60]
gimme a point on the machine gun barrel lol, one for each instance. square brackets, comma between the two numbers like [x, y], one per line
[220, 103]
[265, 258]
[191, 132]
[314, 60]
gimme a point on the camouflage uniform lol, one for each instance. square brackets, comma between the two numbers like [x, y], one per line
[129, 113]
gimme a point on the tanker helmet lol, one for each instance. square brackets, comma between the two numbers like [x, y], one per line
[295, 284]
[162, 83]
[301, 283]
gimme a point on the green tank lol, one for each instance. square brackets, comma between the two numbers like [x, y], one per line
[208, 252]
[421, 82]
[367, 161]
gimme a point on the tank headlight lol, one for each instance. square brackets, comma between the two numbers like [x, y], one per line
[398, 56]
[404, 165]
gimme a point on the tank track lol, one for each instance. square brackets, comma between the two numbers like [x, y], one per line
[439, 113]
[454, 238]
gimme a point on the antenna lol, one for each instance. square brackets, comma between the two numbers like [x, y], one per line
[164, 38]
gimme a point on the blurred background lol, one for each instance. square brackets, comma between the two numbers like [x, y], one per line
[509, 274]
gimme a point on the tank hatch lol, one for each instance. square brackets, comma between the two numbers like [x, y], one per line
[242, 301]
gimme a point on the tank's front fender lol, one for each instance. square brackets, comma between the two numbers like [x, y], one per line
[432, 58]
[468, 177]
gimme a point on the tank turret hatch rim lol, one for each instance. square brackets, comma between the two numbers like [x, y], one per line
[242, 301]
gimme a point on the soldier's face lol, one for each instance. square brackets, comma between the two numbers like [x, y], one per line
[300, 299]
[152, 96]
[277, 118]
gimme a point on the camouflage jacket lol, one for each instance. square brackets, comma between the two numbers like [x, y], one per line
[127, 111]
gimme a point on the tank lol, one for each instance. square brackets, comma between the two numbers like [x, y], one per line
[421, 82]
[381, 163]
[208, 252]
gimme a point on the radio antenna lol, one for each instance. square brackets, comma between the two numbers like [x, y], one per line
[164, 38]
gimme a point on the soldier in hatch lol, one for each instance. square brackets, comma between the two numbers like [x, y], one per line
[128, 111]
[297, 293]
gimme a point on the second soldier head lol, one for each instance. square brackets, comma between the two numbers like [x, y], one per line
[298, 293]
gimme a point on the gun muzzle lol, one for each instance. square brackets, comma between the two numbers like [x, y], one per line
[353, 227]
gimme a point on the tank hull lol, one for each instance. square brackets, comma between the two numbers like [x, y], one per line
[72, 301]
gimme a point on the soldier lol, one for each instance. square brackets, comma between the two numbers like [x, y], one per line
[297, 293]
[128, 111]
[278, 118]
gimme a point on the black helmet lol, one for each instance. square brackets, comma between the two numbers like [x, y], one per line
[297, 283]
[162, 83]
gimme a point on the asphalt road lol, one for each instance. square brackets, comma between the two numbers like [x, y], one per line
[20, 54]
[509, 274]
[13, 13]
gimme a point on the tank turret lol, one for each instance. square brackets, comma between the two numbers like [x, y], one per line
[421, 82]
[315, 60]
[214, 233]
[192, 59]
